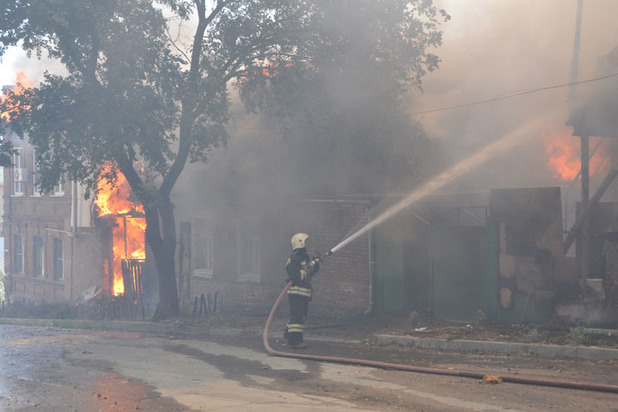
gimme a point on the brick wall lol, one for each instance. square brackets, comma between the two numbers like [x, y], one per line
[342, 285]
[47, 216]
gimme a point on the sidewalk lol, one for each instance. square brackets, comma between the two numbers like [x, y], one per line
[500, 348]
[183, 329]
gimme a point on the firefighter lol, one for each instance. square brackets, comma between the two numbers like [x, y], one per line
[300, 269]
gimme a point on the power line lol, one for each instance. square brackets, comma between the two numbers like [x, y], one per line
[495, 99]
[477, 103]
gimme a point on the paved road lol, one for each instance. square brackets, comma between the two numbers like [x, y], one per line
[53, 369]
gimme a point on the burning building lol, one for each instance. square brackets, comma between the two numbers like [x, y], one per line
[61, 247]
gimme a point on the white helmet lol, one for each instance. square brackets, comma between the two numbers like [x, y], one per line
[298, 240]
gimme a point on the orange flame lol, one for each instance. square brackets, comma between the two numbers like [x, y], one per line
[128, 231]
[12, 107]
[563, 150]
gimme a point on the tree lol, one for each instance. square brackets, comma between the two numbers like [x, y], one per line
[137, 95]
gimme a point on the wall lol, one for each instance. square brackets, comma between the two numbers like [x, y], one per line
[342, 284]
[47, 216]
[528, 224]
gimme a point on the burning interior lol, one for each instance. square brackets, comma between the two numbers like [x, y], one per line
[125, 219]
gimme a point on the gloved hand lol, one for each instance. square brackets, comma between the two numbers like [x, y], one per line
[313, 268]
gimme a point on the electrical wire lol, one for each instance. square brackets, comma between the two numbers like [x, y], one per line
[510, 96]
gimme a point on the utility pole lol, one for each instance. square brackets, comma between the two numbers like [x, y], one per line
[583, 249]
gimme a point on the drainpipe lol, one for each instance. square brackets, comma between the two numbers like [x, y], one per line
[74, 207]
[73, 232]
[8, 258]
[371, 268]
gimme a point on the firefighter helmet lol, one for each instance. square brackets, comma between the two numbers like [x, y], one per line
[299, 240]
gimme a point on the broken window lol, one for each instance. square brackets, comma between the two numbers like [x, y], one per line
[38, 253]
[58, 259]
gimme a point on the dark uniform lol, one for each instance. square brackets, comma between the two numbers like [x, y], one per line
[300, 273]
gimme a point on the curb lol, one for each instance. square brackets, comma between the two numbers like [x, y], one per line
[125, 326]
[500, 348]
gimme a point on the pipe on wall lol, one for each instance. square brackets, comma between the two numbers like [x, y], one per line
[371, 268]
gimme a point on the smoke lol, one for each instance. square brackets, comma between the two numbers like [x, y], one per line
[16, 60]
[492, 50]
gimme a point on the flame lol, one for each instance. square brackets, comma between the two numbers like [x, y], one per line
[12, 108]
[563, 151]
[128, 231]
[267, 69]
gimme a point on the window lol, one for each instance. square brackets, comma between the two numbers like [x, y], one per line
[249, 248]
[59, 188]
[202, 249]
[18, 172]
[249, 254]
[18, 254]
[38, 254]
[36, 182]
[58, 259]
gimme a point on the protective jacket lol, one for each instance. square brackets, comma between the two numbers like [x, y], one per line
[300, 272]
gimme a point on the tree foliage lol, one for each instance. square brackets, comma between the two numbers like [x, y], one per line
[146, 83]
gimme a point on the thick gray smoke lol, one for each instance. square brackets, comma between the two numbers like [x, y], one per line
[493, 49]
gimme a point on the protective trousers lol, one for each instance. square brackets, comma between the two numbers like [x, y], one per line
[299, 306]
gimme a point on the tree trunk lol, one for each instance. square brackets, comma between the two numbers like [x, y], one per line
[168, 306]
[162, 241]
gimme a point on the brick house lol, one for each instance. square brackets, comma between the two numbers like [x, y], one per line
[53, 249]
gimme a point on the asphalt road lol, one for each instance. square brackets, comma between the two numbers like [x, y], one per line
[54, 369]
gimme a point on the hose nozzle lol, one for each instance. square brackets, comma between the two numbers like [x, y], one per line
[321, 257]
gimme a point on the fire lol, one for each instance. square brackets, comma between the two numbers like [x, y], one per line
[12, 108]
[129, 227]
[563, 150]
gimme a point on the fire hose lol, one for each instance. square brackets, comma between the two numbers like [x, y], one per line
[417, 369]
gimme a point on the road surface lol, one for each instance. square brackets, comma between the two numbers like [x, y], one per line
[54, 369]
